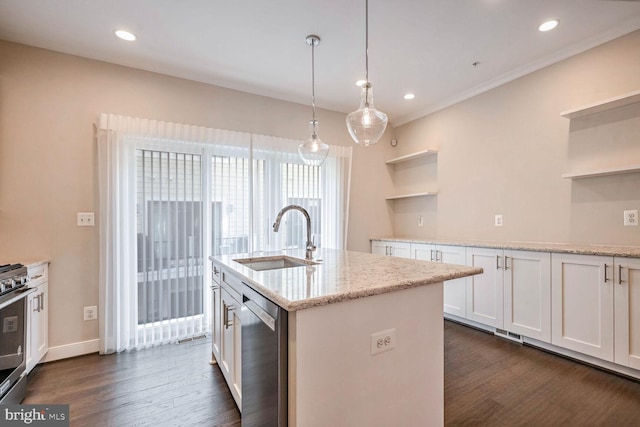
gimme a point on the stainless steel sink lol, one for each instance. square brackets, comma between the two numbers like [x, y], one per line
[273, 262]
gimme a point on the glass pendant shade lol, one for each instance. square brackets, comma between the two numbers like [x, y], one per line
[366, 125]
[313, 151]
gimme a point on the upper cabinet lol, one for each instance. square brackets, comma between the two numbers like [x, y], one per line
[404, 169]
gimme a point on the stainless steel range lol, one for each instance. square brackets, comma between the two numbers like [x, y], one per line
[13, 381]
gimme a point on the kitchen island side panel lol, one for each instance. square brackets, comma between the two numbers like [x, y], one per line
[334, 380]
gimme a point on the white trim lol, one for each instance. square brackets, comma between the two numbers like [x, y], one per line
[71, 350]
[579, 47]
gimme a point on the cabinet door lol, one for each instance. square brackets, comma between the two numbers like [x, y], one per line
[379, 247]
[423, 251]
[627, 311]
[484, 291]
[527, 294]
[216, 322]
[230, 344]
[400, 249]
[455, 291]
[37, 326]
[582, 304]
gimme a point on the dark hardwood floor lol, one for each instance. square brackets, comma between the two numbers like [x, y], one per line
[489, 381]
[170, 385]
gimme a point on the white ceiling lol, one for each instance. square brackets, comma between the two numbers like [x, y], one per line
[422, 46]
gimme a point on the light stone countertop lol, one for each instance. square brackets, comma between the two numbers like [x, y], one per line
[568, 248]
[340, 276]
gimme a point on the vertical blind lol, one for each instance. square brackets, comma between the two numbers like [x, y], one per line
[169, 245]
[171, 195]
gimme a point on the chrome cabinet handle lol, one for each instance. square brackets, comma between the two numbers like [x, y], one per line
[440, 258]
[215, 270]
[215, 287]
[606, 279]
[432, 255]
[225, 317]
[41, 307]
[498, 262]
[506, 266]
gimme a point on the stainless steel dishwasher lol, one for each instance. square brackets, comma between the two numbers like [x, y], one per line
[264, 361]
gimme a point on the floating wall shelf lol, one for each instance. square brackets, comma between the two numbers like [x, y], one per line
[603, 172]
[604, 105]
[407, 196]
[411, 156]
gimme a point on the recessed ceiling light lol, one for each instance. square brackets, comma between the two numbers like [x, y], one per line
[360, 83]
[125, 35]
[409, 96]
[549, 25]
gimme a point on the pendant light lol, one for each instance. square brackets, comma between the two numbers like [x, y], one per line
[313, 151]
[366, 125]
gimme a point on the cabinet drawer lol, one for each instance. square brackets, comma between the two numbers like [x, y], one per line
[38, 275]
[231, 284]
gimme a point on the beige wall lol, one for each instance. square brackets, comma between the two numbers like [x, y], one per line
[49, 103]
[503, 152]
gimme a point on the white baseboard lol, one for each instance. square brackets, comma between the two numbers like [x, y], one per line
[71, 350]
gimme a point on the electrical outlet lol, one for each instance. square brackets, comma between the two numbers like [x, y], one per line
[91, 312]
[86, 219]
[631, 218]
[498, 220]
[383, 341]
[420, 221]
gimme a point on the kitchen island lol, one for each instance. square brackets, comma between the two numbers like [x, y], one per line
[339, 372]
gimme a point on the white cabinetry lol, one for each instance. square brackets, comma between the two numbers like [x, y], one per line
[227, 328]
[455, 296]
[527, 294]
[627, 312]
[397, 249]
[216, 312]
[37, 316]
[513, 293]
[582, 304]
[485, 291]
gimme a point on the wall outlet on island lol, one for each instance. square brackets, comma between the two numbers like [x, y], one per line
[91, 312]
[383, 341]
[498, 220]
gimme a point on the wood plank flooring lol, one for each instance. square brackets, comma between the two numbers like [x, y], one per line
[170, 385]
[489, 381]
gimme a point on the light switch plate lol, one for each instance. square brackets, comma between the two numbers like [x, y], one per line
[631, 217]
[86, 219]
[498, 220]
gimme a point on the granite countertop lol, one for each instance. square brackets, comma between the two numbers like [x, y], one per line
[340, 276]
[569, 248]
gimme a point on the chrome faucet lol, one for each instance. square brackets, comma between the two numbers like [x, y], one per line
[276, 225]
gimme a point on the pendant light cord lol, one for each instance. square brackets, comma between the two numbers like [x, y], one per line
[313, 80]
[366, 43]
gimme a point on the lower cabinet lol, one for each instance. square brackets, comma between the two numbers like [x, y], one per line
[455, 295]
[527, 293]
[227, 329]
[37, 343]
[216, 316]
[513, 293]
[485, 291]
[582, 304]
[389, 248]
[627, 312]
